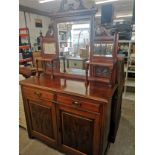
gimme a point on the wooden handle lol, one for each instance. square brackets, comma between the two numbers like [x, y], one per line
[37, 93]
[76, 103]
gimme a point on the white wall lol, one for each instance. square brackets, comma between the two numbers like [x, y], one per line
[34, 32]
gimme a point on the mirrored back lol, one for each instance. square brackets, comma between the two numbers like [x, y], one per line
[74, 45]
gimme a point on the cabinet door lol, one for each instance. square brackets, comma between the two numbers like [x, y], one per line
[41, 120]
[78, 131]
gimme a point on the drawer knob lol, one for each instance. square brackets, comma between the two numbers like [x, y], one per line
[37, 93]
[76, 103]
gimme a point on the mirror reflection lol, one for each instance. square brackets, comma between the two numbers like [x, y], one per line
[74, 41]
[49, 48]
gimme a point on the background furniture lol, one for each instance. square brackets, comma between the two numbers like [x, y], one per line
[117, 100]
[78, 63]
[25, 53]
[27, 71]
[84, 52]
[129, 68]
[35, 55]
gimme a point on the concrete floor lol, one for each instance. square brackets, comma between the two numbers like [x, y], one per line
[124, 144]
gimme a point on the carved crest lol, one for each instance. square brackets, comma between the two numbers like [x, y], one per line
[68, 5]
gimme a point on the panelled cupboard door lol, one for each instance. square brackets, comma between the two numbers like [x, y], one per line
[41, 120]
[78, 131]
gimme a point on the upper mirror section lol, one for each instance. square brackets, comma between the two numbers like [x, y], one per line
[74, 41]
[73, 38]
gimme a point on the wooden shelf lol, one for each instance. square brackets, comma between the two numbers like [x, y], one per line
[25, 60]
[104, 80]
[100, 64]
[24, 47]
[128, 68]
[23, 35]
[23, 29]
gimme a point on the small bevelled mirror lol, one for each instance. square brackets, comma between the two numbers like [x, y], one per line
[103, 49]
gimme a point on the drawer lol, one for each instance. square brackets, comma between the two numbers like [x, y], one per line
[37, 94]
[84, 104]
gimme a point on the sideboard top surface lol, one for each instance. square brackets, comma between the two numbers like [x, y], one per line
[94, 90]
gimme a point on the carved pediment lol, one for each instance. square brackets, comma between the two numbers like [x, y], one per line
[68, 5]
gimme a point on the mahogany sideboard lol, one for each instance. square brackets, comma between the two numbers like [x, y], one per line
[70, 117]
[80, 115]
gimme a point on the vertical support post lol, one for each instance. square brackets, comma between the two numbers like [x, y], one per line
[92, 34]
[52, 75]
[114, 54]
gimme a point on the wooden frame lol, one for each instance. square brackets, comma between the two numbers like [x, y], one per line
[69, 16]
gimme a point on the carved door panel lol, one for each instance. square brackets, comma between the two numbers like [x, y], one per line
[78, 131]
[41, 120]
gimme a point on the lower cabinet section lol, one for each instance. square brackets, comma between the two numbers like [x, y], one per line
[71, 124]
[41, 118]
[74, 126]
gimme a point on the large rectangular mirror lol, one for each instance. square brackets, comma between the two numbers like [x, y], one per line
[74, 46]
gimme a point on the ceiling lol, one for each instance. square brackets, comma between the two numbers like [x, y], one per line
[121, 7]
